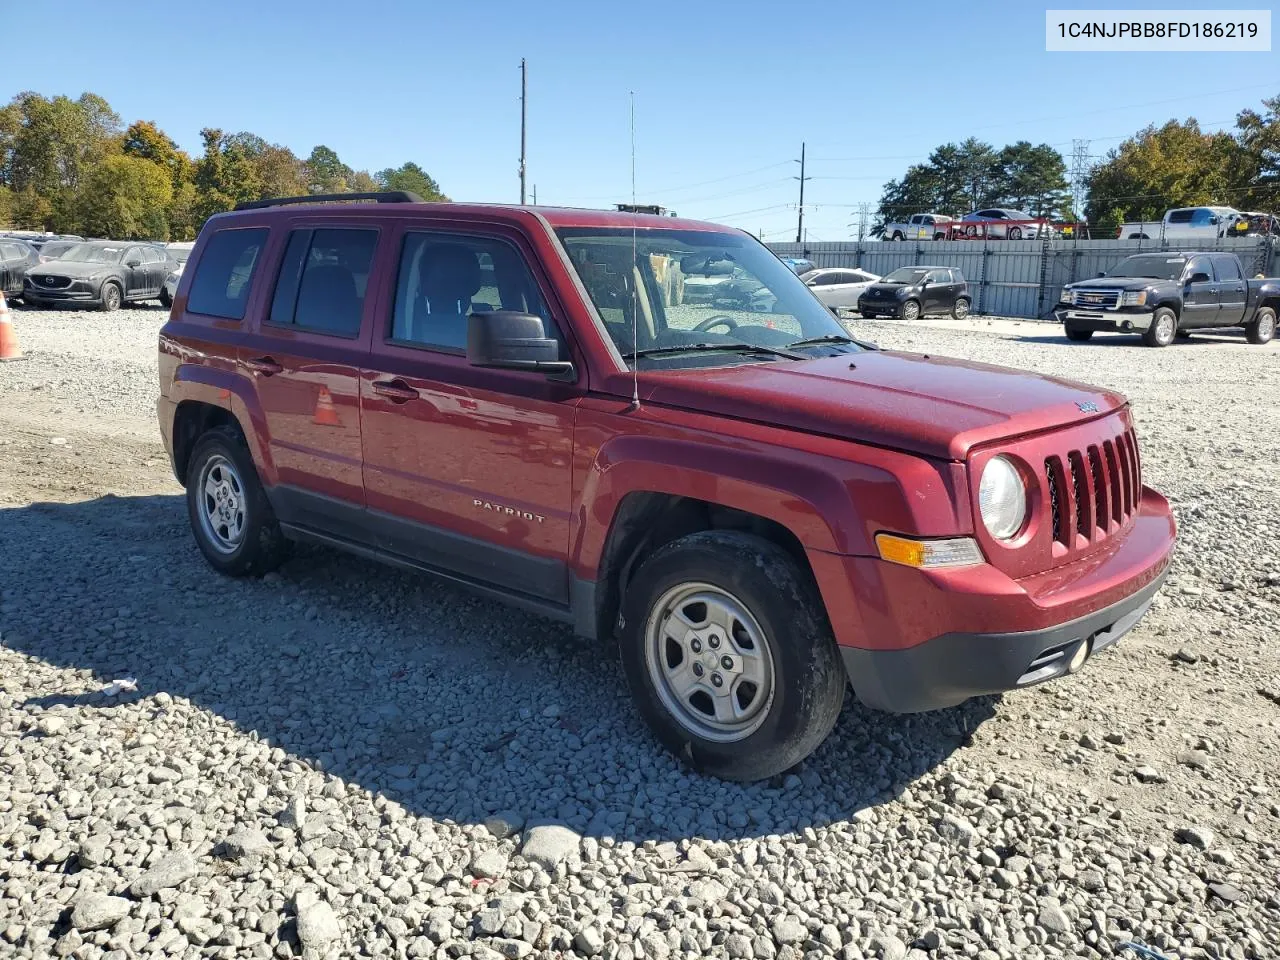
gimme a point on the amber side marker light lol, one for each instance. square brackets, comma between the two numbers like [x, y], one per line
[954, 552]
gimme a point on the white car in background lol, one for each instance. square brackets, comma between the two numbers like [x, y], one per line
[839, 287]
[179, 252]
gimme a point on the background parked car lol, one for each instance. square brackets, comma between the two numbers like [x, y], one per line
[15, 257]
[107, 275]
[179, 252]
[911, 292]
[799, 266]
[920, 226]
[998, 228]
[839, 287]
[1184, 223]
[53, 249]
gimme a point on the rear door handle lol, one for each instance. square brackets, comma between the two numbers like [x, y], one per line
[397, 391]
[263, 365]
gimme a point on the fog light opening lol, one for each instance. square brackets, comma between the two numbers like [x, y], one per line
[1080, 655]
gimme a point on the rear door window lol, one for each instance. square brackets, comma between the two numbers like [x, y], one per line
[1180, 216]
[323, 279]
[220, 287]
[1228, 267]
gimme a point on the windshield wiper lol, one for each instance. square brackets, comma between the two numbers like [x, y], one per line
[830, 338]
[729, 347]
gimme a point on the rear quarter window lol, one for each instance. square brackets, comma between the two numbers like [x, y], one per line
[224, 275]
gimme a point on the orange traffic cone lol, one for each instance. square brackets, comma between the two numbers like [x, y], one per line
[326, 413]
[9, 349]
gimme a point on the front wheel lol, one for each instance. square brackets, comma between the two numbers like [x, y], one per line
[961, 309]
[1079, 336]
[1263, 327]
[911, 310]
[166, 301]
[112, 298]
[867, 315]
[729, 656]
[230, 516]
[1164, 327]
[1015, 233]
[897, 235]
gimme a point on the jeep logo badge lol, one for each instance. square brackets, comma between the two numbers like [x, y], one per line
[1087, 406]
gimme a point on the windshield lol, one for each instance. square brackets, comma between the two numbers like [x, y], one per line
[178, 253]
[906, 275]
[690, 287]
[1157, 267]
[92, 253]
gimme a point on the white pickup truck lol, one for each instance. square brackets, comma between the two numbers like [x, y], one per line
[1184, 223]
[919, 226]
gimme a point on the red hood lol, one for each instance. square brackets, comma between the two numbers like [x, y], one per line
[935, 406]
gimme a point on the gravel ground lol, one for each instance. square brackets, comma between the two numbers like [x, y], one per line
[343, 760]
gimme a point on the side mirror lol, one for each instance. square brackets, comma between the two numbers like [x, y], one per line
[132, 263]
[834, 310]
[1101, 274]
[1199, 277]
[510, 340]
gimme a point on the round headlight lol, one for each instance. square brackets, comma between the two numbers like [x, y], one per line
[1002, 498]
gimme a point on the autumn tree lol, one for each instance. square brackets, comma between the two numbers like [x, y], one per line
[1259, 137]
[411, 177]
[125, 197]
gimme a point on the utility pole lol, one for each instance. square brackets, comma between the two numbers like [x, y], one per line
[524, 98]
[802, 178]
[535, 194]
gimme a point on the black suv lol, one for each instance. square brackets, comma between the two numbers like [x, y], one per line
[912, 292]
[103, 274]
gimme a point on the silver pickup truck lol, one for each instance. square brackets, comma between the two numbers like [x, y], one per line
[919, 226]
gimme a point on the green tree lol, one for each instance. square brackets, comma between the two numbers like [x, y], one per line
[125, 197]
[410, 177]
[1034, 178]
[1176, 165]
[144, 139]
[225, 175]
[1258, 135]
[326, 173]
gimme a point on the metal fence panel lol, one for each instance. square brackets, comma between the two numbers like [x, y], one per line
[1020, 278]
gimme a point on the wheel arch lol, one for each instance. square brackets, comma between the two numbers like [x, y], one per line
[204, 397]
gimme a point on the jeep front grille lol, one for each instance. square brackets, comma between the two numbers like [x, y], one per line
[1094, 491]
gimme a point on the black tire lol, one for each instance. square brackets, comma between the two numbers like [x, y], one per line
[1078, 336]
[166, 301]
[1263, 327]
[1184, 334]
[939, 236]
[960, 309]
[261, 546]
[112, 298]
[1015, 233]
[808, 678]
[1163, 329]
[910, 310]
[897, 235]
[31, 303]
[868, 316]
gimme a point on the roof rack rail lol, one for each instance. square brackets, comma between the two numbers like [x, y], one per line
[383, 196]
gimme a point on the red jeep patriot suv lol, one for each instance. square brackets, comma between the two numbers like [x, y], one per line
[649, 428]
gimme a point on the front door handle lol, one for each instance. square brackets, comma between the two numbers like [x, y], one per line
[397, 391]
[264, 365]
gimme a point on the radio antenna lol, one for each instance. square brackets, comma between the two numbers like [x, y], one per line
[635, 272]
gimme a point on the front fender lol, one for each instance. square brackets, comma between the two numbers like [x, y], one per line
[829, 504]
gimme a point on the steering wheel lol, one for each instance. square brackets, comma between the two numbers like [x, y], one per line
[716, 321]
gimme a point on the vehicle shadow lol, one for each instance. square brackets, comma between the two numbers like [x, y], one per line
[454, 706]
[1197, 339]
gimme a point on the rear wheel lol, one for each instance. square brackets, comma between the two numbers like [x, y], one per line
[869, 316]
[230, 516]
[897, 235]
[1164, 327]
[111, 297]
[1079, 336]
[961, 308]
[166, 301]
[910, 310]
[729, 656]
[1263, 327]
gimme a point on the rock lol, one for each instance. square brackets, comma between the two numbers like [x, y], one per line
[94, 851]
[97, 911]
[1199, 837]
[887, 947]
[738, 947]
[246, 843]
[1114, 737]
[930, 940]
[1186, 656]
[504, 824]
[958, 829]
[318, 925]
[1197, 759]
[549, 844]
[1226, 892]
[169, 871]
[489, 922]
[1053, 918]
[1006, 879]
[1088, 741]
[789, 930]
[708, 890]
[588, 941]
[489, 864]
[513, 949]
[51, 726]
[294, 814]
[1150, 775]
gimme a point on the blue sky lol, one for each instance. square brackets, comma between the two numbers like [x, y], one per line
[724, 92]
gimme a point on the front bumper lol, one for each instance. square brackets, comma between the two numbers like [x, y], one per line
[916, 640]
[952, 668]
[80, 291]
[889, 308]
[1123, 320]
